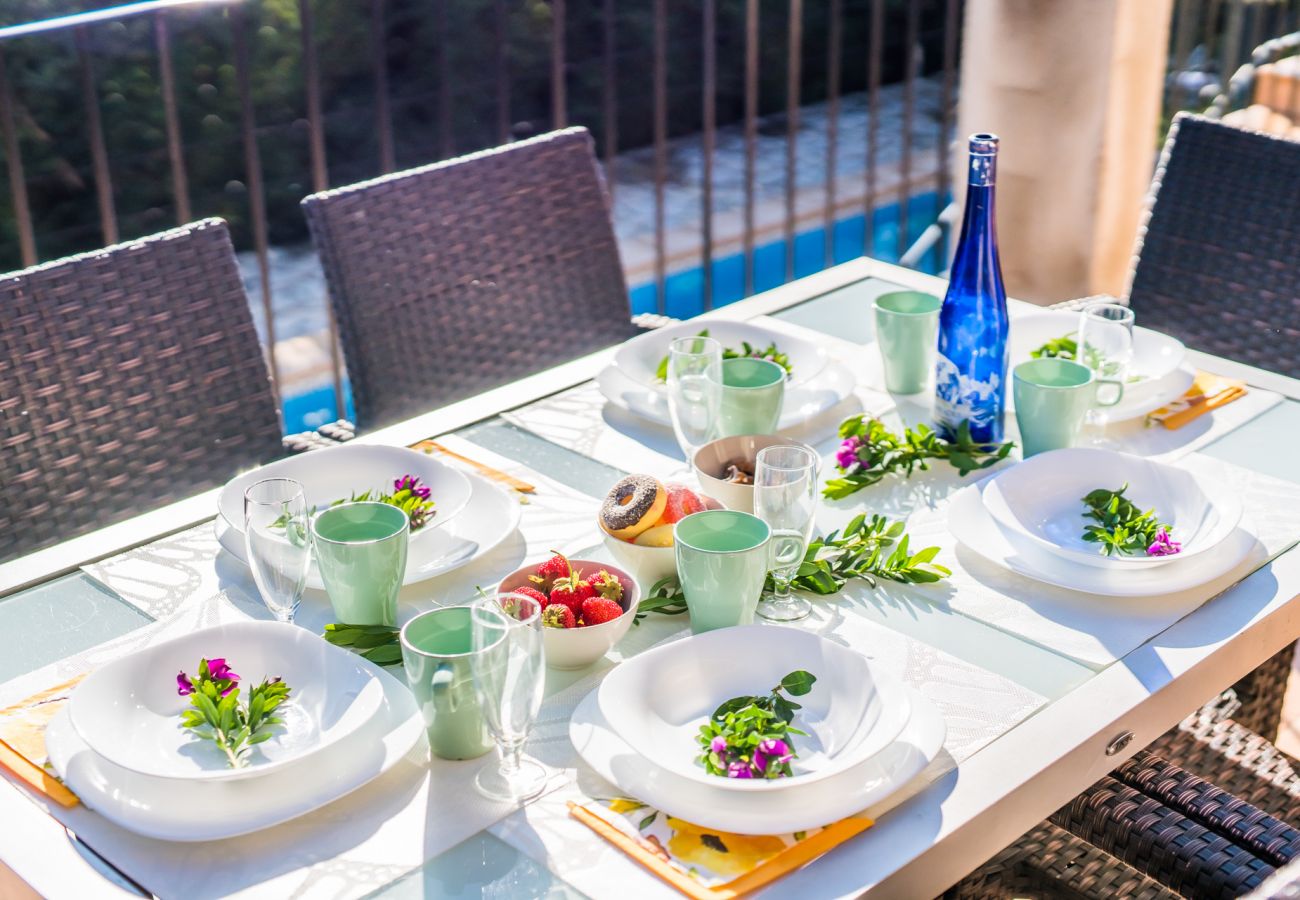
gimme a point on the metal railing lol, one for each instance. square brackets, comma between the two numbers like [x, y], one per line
[593, 43]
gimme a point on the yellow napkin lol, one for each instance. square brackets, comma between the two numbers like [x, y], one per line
[704, 863]
[1206, 393]
[22, 740]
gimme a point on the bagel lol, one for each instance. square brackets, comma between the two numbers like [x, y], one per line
[632, 506]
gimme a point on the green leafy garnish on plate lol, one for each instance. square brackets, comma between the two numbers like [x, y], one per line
[750, 737]
[1064, 347]
[216, 714]
[746, 350]
[1123, 528]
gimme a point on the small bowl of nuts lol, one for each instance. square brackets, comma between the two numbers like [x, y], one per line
[725, 467]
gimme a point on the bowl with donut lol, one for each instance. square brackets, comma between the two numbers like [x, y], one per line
[637, 518]
[587, 606]
[725, 467]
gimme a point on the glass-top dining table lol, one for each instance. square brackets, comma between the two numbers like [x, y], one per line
[1090, 712]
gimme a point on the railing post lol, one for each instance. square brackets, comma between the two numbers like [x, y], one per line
[175, 148]
[95, 127]
[14, 163]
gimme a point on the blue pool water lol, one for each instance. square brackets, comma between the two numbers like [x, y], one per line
[684, 290]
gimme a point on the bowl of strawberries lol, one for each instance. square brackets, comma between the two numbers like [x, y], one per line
[587, 606]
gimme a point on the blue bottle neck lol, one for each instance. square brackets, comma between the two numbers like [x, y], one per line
[976, 264]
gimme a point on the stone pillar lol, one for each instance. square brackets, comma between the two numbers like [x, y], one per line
[1074, 91]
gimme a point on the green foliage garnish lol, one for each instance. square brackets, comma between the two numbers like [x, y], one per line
[216, 714]
[377, 643]
[1064, 347]
[746, 349]
[869, 452]
[407, 494]
[1123, 528]
[869, 549]
[749, 737]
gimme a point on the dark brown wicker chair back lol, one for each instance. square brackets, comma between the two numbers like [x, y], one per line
[469, 273]
[129, 377]
[1219, 258]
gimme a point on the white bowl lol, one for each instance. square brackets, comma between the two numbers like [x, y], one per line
[577, 648]
[1040, 501]
[1155, 355]
[128, 711]
[711, 460]
[639, 358]
[658, 700]
[647, 564]
[336, 473]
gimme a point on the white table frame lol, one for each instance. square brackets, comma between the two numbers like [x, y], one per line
[931, 840]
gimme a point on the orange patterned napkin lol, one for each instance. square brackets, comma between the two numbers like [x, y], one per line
[703, 863]
[22, 740]
[1206, 393]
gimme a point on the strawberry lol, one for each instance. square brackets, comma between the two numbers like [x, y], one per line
[557, 615]
[682, 501]
[571, 590]
[547, 573]
[532, 592]
[607, 585]
[599, 610]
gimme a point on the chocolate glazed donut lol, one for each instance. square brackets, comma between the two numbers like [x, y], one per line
[632, 506]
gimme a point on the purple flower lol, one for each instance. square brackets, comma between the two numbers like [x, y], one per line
[219, 671]
[718, 744]
[847, 455]
[775, 747]
[1164, 545]
[739, 770]
[184, 686]
[412, 484]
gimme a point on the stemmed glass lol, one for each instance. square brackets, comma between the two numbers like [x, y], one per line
[694, 391]
[785, 497]
[277, 543]
[508, 665]
[1106, 347]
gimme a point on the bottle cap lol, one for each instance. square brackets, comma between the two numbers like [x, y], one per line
[983, 142]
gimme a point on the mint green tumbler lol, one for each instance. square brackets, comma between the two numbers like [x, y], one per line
[907, 332]
[1052, 398]
[436, 650]
[722, 560]
[753, 391]
[361, 552]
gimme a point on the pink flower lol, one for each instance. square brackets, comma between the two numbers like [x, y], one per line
[847, 455]
[184, 686]
[773, 750]
[739, 770]
[718, 745]
[1164, 545]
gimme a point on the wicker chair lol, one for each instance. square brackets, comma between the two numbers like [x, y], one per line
[129, 377]
[464, 275]
[1218, 260]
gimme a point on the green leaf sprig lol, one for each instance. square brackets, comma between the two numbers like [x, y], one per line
[746, 349]
[408, 495]
[1064, 347]
[869, 452]
[1123, 528]
[869, 548]
[216, 715]
[377, 643]
[750, 737]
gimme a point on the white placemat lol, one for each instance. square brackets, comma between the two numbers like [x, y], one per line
[977, 706]
[1093, 630]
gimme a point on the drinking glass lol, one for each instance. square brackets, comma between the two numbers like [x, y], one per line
[785, 497]
[1106, 347]
[694, 391]
[277, 543]
[508, 666]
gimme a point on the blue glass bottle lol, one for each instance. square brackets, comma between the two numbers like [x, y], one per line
[971, 368]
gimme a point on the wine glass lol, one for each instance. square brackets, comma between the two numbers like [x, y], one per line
[1106, 347]
[694, 391]
[508, 664]
[277, 543]
[785, 497]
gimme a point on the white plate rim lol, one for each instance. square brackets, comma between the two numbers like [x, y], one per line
[232, 544]
[111, 797]
[1083, 578]
[764, 814]
[1043, 315]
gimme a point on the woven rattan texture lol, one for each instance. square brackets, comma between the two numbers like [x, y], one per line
[1218, 261]
[129, 378]
[461, 276]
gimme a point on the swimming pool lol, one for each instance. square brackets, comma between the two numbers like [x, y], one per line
[684, 290]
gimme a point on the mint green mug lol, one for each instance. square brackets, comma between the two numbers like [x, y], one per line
[907, 332]
[436, 649]
[1052, 399]
[722, 560]
[753, 391]
[361, 553]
